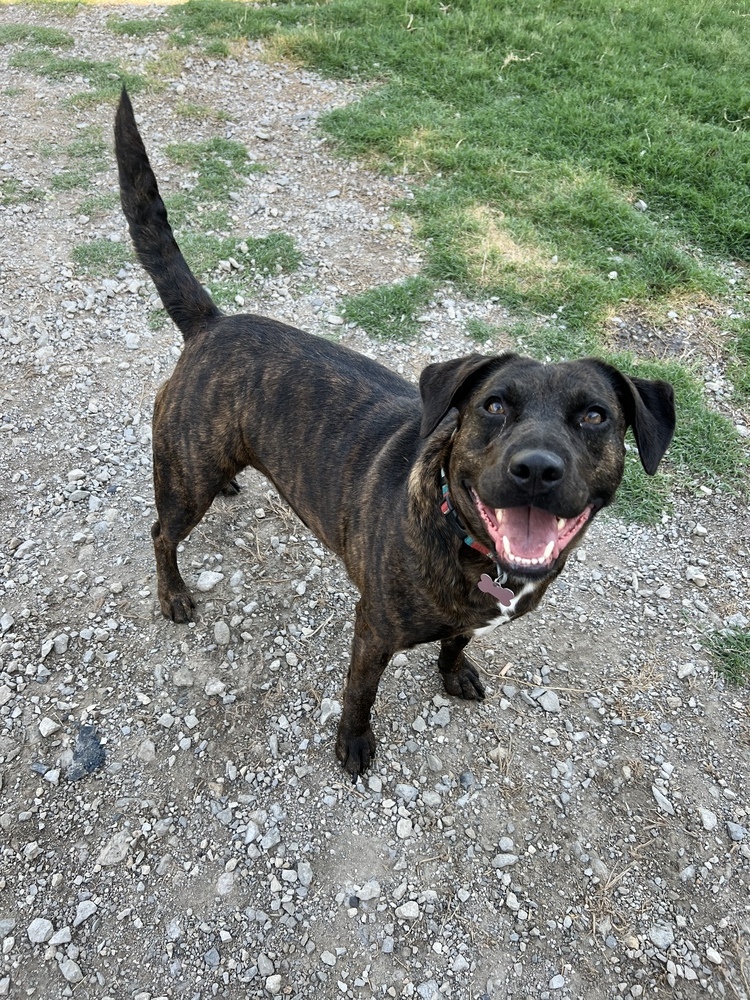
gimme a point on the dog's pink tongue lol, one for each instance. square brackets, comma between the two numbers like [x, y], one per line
[528, 531]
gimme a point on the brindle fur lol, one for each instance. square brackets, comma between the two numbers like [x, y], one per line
[357, 452]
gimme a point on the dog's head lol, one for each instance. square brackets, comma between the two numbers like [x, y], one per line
[539, 449]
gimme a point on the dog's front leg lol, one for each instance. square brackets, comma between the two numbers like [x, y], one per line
[355, 743]
[460, 676]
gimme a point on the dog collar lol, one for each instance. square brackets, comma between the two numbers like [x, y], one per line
[486, 584]
[455, 522]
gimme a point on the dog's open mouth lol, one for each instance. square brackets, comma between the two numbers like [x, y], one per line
[527, 538]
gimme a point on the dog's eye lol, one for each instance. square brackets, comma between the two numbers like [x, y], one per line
[594, 415]
[495, 407]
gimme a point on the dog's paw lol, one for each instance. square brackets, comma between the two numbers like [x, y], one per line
[180, 607]
[464, 683]
[355, 752]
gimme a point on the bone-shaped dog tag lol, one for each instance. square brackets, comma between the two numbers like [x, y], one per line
[489, 586]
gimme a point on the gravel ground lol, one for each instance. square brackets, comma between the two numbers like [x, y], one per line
[173, 821]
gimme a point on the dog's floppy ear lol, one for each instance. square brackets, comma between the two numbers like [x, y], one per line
[649, 409]
[441, 384]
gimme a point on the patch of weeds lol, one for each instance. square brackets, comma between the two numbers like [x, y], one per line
[68, 180]
[98, 204]
[102, 257]
[220, 165]
[88, 146]
[739, 368]
[390, 311]
[135, 27]
[731, 648]
[480, 332]
[169, 65]
[270, 254]
[12, 192]
[157, 319]
[106, 79]
[50, 38]
[641, 499]
[185, 210]
[200, 112]
[216, 49]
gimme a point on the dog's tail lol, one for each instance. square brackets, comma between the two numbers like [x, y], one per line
[184, 298]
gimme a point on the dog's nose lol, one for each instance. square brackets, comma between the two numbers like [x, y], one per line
[537, 471]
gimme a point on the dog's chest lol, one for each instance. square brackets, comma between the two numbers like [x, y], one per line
[506, 612]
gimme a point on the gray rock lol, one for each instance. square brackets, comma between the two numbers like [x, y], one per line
[207, 580]
[662, 936]
[504, 860]
[662, 801]
[329, 709]
[557, 982]
[115, 850]
[708, 819]
[265, 965]
[40, 930]
[549, 701]
[48, 726]
[222, 635]
[71, 970]
[441, 718]
[736, 832]
[84, 910]
[408, 910]
[304, 873]
[407, 792]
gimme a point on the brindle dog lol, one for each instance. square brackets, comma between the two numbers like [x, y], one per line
[453, 506]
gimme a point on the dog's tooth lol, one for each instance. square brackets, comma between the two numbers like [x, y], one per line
[506, 547]
[499, 514]
[561, 522]
[548, 551]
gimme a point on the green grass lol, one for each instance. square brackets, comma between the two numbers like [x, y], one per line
[98, 204]
[535, 128]
[135, 27]
[102, 257]
[739, 368]
[12, 192]
[50, 38]
[265, 255]
[200, 112]
[68, 180]
[106, 79]
[390, 311]
[731, 649]
[220, 164]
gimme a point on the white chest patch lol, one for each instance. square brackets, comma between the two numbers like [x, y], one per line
[506, 613]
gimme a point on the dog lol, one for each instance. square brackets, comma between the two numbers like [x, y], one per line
[453, 506]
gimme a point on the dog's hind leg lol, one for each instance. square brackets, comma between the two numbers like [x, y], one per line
[355, 743]
[460, 676]
[181, 502]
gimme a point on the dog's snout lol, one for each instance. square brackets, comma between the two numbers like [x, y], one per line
[536, 470]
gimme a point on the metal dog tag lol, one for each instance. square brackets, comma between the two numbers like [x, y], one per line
[489, 586]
